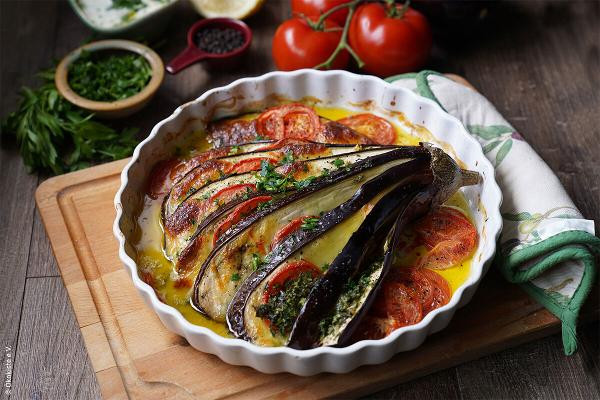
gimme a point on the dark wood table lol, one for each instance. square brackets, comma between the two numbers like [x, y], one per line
[539, 62]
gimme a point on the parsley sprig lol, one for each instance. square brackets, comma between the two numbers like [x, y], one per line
[57, 137]
[270, 180]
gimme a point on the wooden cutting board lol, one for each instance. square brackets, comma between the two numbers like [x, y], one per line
[134, 355]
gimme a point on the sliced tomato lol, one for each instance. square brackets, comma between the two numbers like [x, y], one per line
[373, 127]
[401, 305]
[373, 328]
[160, 178]
[227, 194]
[449, 235]
[210, 170]
[250, 164]
[290, 271]
[284, 232]
[282, 142]
[406, 296]
[428, 287]
[185, 166]
[295, 121]
[237, 214]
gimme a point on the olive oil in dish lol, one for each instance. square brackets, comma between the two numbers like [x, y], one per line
[156, 268]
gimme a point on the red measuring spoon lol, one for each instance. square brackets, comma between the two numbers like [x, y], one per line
[192, 54]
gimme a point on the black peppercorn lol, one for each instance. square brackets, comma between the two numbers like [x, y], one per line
[219, 40]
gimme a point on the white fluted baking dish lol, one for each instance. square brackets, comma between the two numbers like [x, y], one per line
[331, 89]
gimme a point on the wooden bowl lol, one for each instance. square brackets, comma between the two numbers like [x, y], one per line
[111, 109]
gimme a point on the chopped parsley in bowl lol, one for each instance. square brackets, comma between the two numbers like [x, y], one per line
[100, 76]
[111, 78]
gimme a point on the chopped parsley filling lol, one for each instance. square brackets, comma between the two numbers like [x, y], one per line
[282, 308]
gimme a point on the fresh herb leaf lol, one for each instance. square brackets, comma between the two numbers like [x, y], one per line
[235, 277]
[109, 78]
[257, 262]
[338, 163]
[234, 150]
[270, 180]
[325, 267]
[55, 136]
[304, 182]
[288, 158]
[309, 224]
[128, 4]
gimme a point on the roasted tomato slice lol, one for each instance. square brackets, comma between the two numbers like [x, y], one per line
[428, 287]
[227, 194]
[375, 128]
[285, 231]
[295, 121]
[449, 236]
[290, 271]
[160, 178]
[250, 164]
[406, 296]
[238, 214]
[282, 142]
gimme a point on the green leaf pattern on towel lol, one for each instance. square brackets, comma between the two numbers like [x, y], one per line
[493, 137]
[529, 222]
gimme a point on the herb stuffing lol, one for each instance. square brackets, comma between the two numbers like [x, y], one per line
[283, 308]
[99, 77]
[350, 300]
[55, 136]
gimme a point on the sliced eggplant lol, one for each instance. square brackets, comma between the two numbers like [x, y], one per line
[337, 302]
[240, 161]
[230, 262]
[322, 245]
[180, 227]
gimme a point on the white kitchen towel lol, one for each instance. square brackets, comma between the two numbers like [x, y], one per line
[546, 245]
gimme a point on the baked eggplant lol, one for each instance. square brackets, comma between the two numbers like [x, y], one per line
[221, 195]
[234, 255]
[306, 309]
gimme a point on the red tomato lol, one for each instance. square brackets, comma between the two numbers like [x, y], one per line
[280, 143]
[250, 164]
[389, 44]
[290, 271]
[229, 193]
[449, 236]
[297, 45]
[160, 181]
[406, 296]
[295, 121]
[430, 289]
[377, 129]
[318, 7]
[284, 232]
[237, 214]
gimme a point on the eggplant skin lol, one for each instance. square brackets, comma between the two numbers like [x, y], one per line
[414, 171]
[362, 246]
[306, 333]
[214, 306]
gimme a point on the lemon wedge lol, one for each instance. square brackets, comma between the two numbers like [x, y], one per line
[238, 9]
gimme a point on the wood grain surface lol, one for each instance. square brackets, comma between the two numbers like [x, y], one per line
[134, 355]
[536, 61]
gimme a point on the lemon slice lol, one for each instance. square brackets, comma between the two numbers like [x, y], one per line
[238, 9]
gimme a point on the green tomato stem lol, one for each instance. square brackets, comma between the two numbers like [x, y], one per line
[343, 43]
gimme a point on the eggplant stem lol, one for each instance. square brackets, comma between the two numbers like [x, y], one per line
[470, 177]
